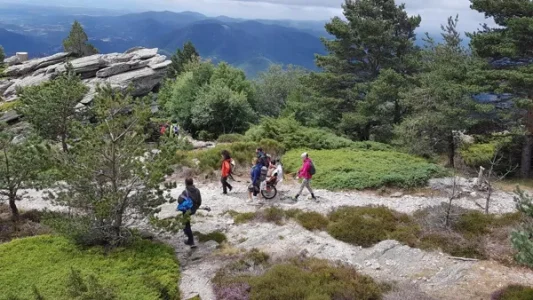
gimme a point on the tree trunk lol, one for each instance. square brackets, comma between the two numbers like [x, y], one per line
[451, 151]
[64, 143]
[14, 209]
[525, 166]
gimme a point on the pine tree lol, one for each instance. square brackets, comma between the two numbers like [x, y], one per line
[509, 48]
[52, 107]
[181, 58]
[441, 102]
[111, 175]
[378, 35]
[522, 239]
[21, 164]
[2, 56]
[77, 42]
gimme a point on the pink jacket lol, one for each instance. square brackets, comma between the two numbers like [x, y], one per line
[304, 171]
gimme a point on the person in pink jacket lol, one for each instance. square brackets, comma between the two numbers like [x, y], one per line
[306, 172]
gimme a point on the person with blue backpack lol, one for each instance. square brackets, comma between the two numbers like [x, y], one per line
[255, 177]
[306, 172]
[188, 203]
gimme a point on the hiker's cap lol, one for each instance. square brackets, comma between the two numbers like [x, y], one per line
[304, 155]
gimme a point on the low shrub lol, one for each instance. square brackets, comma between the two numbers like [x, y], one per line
[293, 135]
[7, 106]
[312, 220]
[453, 243]
[241, 218]
[241, 152]
[297, 279]
[231, 138]
[478, 154]
[216, 236]
[366, 226]
[272, 214]
[361, 169]
[470, 233]
[513, 292]
[27, 225]
[145, 270]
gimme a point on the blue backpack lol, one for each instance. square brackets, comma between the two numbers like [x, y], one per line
[187, 203]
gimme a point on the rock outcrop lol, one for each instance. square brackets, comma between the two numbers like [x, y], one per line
[139, 68]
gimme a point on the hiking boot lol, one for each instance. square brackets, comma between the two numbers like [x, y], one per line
[313, 197]
[295, 198]
[189, 243]
[230, 188]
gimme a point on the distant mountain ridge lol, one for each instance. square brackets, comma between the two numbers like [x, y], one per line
[251, 45]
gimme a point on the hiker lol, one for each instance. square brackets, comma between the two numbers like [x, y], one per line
[191, 193]
[175, 128]
[255, 174]
[277, 170]
[163, 129]
[226, 172]
[306, 172]
[261, 156]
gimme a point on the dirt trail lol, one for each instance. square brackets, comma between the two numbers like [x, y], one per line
[435, 273]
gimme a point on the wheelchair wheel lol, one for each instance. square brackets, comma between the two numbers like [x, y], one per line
[270, 192]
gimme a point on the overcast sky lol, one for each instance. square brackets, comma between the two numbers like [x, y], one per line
[433, 12]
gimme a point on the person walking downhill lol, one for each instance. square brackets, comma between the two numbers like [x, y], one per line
[190, 194]
[226, 172]
[306, 172]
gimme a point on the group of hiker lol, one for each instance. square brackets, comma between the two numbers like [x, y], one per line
[263, 169]
[170, 129]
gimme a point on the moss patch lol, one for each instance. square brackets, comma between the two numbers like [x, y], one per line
[144, 271]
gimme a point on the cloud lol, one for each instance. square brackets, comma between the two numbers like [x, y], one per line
[433, 12]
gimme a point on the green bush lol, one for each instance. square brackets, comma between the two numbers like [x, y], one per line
[453, 244]
[312, 221]
[231, 138]
[358, 169]
[476, 155]
[216, 236]
[241, 152]
[297, 279]
[143, 271]
[366, 226]
[293, 135]
[513, 292]
[474, 223]
[241, 218]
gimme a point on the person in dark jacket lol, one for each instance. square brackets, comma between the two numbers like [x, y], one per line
[226, 172]
[255, 175]
[190, 192]
[261, 156]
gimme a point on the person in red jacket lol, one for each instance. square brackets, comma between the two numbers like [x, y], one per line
[305, 173]
[226, 172]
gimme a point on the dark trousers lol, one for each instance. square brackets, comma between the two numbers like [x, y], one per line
[188, 231]
[225, 185]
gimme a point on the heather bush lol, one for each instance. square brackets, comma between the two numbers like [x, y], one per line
[366, 226]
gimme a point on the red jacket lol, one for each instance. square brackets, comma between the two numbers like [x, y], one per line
[226, 167]
[304, 171]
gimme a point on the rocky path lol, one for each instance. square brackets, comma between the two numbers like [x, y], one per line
[436, 274]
